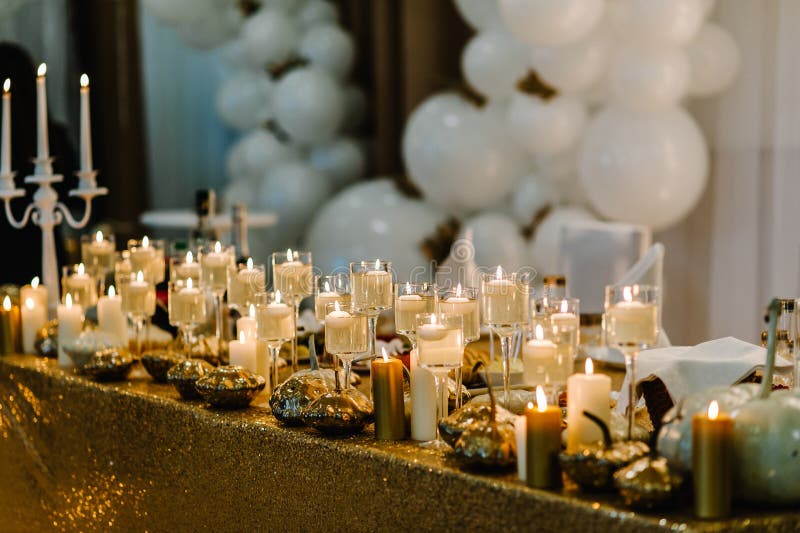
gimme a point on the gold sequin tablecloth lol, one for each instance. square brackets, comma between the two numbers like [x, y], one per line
[76, 455]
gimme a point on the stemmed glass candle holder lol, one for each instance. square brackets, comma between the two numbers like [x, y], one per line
[245, 280]
[98, 253]
[440, 346]
[292, 273]
[346, 335]
[78, 283]
[329, 289]
[147, 256]
[274, 326]
[505, 307]
[540, 361]
[215, 260]
[122, 267]
[631, 325]
[183, 267]
[371, 282]
[564, 316]
[139, 302]
[187, 307]
[462, 301]
[410, 300]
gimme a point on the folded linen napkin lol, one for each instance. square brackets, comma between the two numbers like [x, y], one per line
[688, 369]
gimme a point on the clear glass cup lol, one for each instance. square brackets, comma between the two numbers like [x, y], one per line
[292, 275]
[139, 302]
[564, 314]
[440, 348]
[245, 280]
[505, 308]
[185, 266]
[410, 300]
[187, 308]
[631, 325]
[329, 289]
[371, 283]
[540, 357]
[215, 262]
[122, 267]
[147, 255]
[462, 301]
[346, 335]
[80, 284]
[274, 326]
[98, 254]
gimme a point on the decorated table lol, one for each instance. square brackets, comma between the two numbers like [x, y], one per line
[85, 455]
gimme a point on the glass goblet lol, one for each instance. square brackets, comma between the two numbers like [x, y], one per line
[81, 285]
[245, 280]
[147, 255]
[98, 254]
[371, 283]
[564, 314]
[292, 273]
[462, 301]
[346, 335]
[187, 308]
[274, 326]
[410, 300]
[139, 302]
[183, 267]
[215, 260]
[329, 289]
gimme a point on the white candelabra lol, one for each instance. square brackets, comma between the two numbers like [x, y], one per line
[45, 210]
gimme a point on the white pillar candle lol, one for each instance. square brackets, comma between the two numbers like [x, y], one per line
[42, 139]
[520, 435]
[586, 392]
[423, 402]
[5, 138]
[34, 318]
[243, 353]
[247, 324]
[540, 360]
[86, 126]
[70, 325]
[36, 291]
[110, 317]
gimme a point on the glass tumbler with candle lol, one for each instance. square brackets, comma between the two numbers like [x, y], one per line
[440, 346]
[410, 300]
[564, 314]
[274, 326]
[245, 280]
[187, 308]
[540, 358]
[183, 267]
[122, 267]
[215, 262]
[98, 253]
[346, 335]
[631, 325]
[505, 307]
[329, 289]
[292, 275]
[371, 283]
[147, 255]
[462, 301]
[138, 302]
[78, 283]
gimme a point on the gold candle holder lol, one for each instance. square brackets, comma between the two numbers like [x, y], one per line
[712, 464]
[387, 396]
[9, 327]
[543, 443]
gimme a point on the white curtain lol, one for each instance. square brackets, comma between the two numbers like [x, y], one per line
[741, 247]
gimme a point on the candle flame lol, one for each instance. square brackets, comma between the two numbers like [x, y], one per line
[145, 242]
[81, 269]
[384, 354]
[189, 258]
[7, 85]
[217, 247]
[140, 276]
[7, 303]
[327, 287]
[377, 264]
[98, 236]
[189, 281]
[541, 399]
[539, 332]
[29, 303]
[627, 294]
[68, 301]
[499, 272]
[35, 282]
[241, 337]
[84, 80]
[252, 311]
[42, 70]
[564, 306]
[278, 297]
[289, 254]
[112, 291]
[589, 367]
[336, 305]
[713, 410]
[458, 290]
[249, 263]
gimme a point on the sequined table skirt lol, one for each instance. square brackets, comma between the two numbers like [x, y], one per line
[76, 455]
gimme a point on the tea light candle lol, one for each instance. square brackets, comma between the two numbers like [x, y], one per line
[243, 353]
[110, 318]
[247, 324]
[70, 325]
[9, 327]
[36, 291]
[423, 402]
[712, 462]
[586, 392]
[387, 395]
[34, 318]
[542, 443]
[539, 359]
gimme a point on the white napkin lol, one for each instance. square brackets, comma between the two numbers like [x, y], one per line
[688, 369]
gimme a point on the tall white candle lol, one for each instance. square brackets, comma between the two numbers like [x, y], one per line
[243, 353]
[247, 324]
[586, 392]
[86, 126]
[521, 437]
[5, 138]
[34, 317]
[70, 324]
[423, 402]
[36, 291]
[42, 139]
[540, 360]
[111, 318]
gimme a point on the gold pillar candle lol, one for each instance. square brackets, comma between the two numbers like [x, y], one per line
[712, 453]
[9, 327]
[542, 443]
[387, 396]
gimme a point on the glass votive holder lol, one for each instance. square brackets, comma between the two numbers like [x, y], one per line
[541, 359]
[122, 267]
[147, 255]
[215, 260]
[98, 253]
[328, 289]
[245, 280]
[78, 283]
[183, 267]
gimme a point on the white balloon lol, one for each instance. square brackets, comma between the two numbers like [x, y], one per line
[177, 11]
[241, 192]
[293, 191]
[574, 67]
[373, 219]
[329, 47]
[234, 53]
[255, 153]
[497, 240]
[243, 101]
[462, 159]
[309, 105]
[544, 246]
[480, 14]
[551, 22]
[646, 78]
[661, 22]
[355, 108]
[212, 30]
[317, 12]
[493, 62]
[713, 59]
[270, 36]
[342, 160]
[643, 168]
[290, 7]
[546, 127]
[531, 194]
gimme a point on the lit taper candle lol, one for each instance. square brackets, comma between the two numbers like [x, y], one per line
[5, 137]
[43, 164]
[86, 126]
